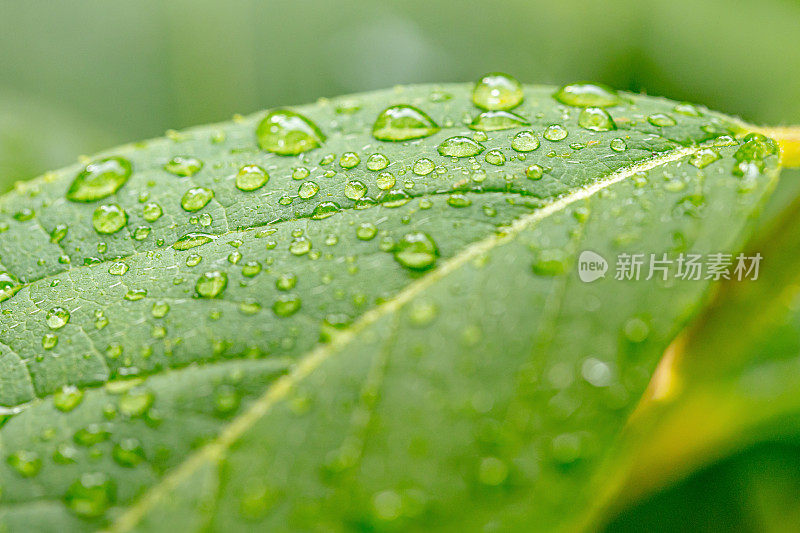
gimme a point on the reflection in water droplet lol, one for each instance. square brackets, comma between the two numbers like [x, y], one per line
[497, 120]
[196, 198]
[555, 132]
[100, 180]
[251, 178]
[525, 141]
[183, 166]
[286, 132]
[423, 167]
[57, 318]
[108, 219]
[403, 122]
[416, 251]
[497, 91]
[211, 284]
[596, 119]
[460, 146]
[325, 210]
[587, 95]
[661, 120]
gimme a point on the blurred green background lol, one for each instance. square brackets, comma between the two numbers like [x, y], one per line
[80, 76]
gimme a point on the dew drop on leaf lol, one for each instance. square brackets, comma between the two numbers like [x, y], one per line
[325, 210]
[402, 123]
[366, 231]
[495, 157]
[587, 95]
[286, 282]
[57, 318]
[555, 132]
[525, 141]
[349, 160]
[497, 91]
[196, 198]
[192, 240]
[251, 178]
[596, 119]
[152, 212]
[26, 463]
[67, 398]
[423, 167]
[661, 120]
[618, 145]
[497, 120]
[286, 305]
[108, 219]
[703, 158]
[9, 285]
[308, 190]
[460, 146]
[128, 452]
[91, 495]
[211, 284]
[58, 233]
[183, 166]
[100, 179]
[286, 132]
[354, 190]
[416, 251]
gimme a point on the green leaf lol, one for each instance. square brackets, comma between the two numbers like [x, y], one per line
[375, 336]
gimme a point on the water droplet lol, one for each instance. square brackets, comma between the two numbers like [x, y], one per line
[108, 219]
[385, 181]
[211, 284]
[68, 398]
[134, 295]
[308, 190]
[193, 260]
[160, 309]
[497, 91]
[619, 145]
[492, 471]
[550, 262]
[366, 231]
[25, 462]
[596, 119]
[152, 212]
[555, 132]
[9, 285]
[525, 141]
[587, 95]
[751, 154]
[416, 251]
[135, 403]
[300, 173]
[57, 318]
[355, 190]
[128, 453]
[636, 329]
[300, 246]
[325, 210]
[497, 120]
[91, 435]
[91, 495]
[377, 162]
[141, 233]
[251, 269]
[661, 120]
[196, 198]
[403, 122]
[286, 282]
[192, 240]
[251, 178]
[286, 305]
[58, 233]
[183, 166]
[285, 132]
[459, 200]
[495, 157]
[534, 172]
[100, 180]
[688, 110]
[349, 160]
[703, 158]
[49, 341]
[423, 167]
[395, 198]
[460, 146]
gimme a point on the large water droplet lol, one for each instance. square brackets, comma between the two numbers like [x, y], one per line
[587, 95]
[25, 462]
[555, 132]
[108, 219]
[307, 190]
[497, 120]
[196, 198]
[416, 251]
[751, 154]
[703, 158]
[325, 210]
[211, 284]
[100, 180]
[661, 120]
[286, 305]
[460, 146]
[403, 122]
[68, 398]
[251, 177]
[285, 132]
[596, 119]
[355, 190]
[497, 91]
[525, 141]
[423, 167]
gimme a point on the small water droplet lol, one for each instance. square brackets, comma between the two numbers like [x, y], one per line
[325, 210]
[355, 190]
[183, 166]
[128, 452]
[596, 119]
[299, 246]
[495, 157]
[534, 172]
[118, 269]
[587, 95]
[366, 231]
[286, 132]
[25, 462]
[416, 251]
[619, 145]
[49, 341]
[67, 398]
[704, 157]
[555, 132]
[91, 495]
[9, 285]
[211, 284]
[108, 219]
[192, 240]
[152, 212]
[377, 162]
[251, 178]
[251, 269]
[460, 146]
[525, 141]
[58, 233]
[349, 160]
[100, 179]
[286, 305]
[403, 122]
[497, 120]
[423, 167]
[196, 198]
[57, 318]
[385, 181]
[661, 120]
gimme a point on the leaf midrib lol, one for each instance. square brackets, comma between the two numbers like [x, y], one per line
[313, 359]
